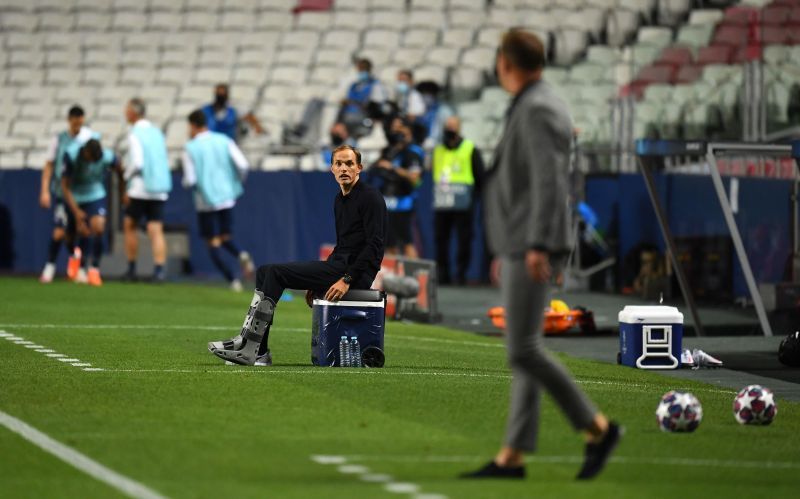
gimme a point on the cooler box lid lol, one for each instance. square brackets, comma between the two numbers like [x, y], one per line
[650, 314]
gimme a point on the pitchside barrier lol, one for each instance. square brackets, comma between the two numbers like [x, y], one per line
[762, 251]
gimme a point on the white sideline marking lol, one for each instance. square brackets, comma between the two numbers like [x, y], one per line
[77, 460]
[365, 475]
[658, 461]
[48, 352]
[233, 328]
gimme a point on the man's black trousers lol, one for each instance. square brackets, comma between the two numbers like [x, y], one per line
[318, 276]
[444, 223]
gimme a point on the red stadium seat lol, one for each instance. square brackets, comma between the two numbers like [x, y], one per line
[715, 54]
[676, 56]
[794, 16]
[775, 35]
[656, 74]
[746, 53]
[741, 16]
[688, 74]
[775, 15]
[731, 35]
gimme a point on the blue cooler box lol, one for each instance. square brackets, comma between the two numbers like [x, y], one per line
[650, 337]
[360, 313]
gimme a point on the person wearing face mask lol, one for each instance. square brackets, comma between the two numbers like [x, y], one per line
[223, 118]
[398, 174]
[457, 176]
[339, 136]
[364, 96]
[435, 115]
[409, 101]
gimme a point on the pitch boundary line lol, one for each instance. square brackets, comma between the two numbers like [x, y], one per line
[47, 352]
[365, 475]
[77, 460]
[555, 459]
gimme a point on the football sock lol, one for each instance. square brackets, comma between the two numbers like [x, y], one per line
[264, 346]
[232, 248]
[52, 252]
[131, 267]
[97, 251]
[83, 243]
[216, 257]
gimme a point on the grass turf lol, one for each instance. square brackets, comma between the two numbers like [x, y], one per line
[168, 414]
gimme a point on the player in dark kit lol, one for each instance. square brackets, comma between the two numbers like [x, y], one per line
[360, 214]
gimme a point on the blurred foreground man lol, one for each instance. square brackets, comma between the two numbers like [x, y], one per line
[63, 226]
[216, 168]
[528, 224]
[360, 214]
[457, 179]
[148, 182]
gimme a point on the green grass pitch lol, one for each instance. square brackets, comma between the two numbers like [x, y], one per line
[169, 415]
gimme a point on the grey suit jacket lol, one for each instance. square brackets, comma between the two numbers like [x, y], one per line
[526, 197]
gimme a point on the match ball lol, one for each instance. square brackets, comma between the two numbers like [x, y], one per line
[754, 405]
[679, 412]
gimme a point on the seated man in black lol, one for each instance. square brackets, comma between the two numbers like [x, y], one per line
[360, 213]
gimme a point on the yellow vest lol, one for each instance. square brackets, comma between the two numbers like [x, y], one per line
[454, 166]
[452, 177]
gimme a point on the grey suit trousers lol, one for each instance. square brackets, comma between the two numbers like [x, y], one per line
[533, 368]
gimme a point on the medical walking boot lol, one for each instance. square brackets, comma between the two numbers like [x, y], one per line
[243, 349]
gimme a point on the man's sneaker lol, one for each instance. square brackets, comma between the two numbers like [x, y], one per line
[48, 273]
[248, 267]
[159, 277]
[236, 285]
[93, 276]
[74, 264]
[492, 470]
[261, 361]
[82, 277]
[597, 454]
[264, 360]
[703, 359]
[686, 358]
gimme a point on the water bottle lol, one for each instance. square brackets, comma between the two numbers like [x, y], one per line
[344, 352]
[355, 351]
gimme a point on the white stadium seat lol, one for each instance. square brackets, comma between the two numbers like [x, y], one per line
[347, 39]
[420, 37]
[349, 20]
[381, 38]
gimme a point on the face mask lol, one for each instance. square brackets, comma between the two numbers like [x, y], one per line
[450, 137]
[336, 140]
[363, 75]
[397, 138]
[402, 87]
[220, 100]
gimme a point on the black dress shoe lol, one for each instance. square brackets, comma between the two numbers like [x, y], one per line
[597, 454]
[492, 470]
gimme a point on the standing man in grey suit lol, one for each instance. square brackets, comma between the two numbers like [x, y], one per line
[528, 220]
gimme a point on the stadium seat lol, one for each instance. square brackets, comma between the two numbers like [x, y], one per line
[714, 54]
[278, 162]
[776, 35]
[136, 75]
[61, 41]
[688, 73]
[434, 5]
[314, 21]
[211, 75]
[655, 36]
[705, 16]
[300, 39]
[420, 37]
[731, 35]
[288, 74]
[164, 21]
[345, 39]
[250, 76]
[23, 76]
[695, 36]
[91, 21]
[99, 76]
[381, 38]
[236, 21]
[411, 56]
[350, 20]
[274, 21]
[465, 18]
[672, 11]
[442, 56]
[620, 26]
[33, 94]
[23, 41]
[589, 74]
[457, 37]
[14, 159]
[656, 74]
[433, 72]
[603, 54]
[356, 5]
[25, 59]
[129, 21]
[569, 44]
[479, 58]
[294, 57]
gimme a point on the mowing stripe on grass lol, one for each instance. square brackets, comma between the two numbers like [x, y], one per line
[126, 485]
[390, 372]
[364, 474]
[658, 461]
[140, 326]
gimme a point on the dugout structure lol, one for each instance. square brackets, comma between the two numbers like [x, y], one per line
[707, 158]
